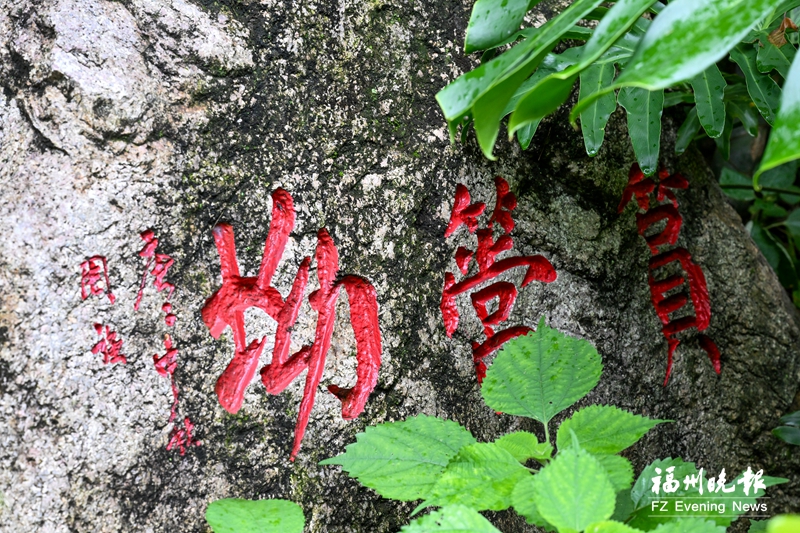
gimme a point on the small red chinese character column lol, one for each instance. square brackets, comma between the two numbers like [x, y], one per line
[538, 269]
[665, 304]
[237, 294]
[94, 271]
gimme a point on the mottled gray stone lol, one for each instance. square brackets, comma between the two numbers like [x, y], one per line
[120, 116]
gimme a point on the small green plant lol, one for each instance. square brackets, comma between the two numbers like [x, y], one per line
[233, 515]
[789, 431]
[575, 482]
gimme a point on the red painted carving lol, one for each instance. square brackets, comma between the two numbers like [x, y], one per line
[237, 294]
[110, 346]
[180, 437]
[161, 264]
[489, 267]
[640, 188]
[94, 271]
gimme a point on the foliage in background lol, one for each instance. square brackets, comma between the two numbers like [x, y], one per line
[790, 430]
[583, 486]
[723, 61]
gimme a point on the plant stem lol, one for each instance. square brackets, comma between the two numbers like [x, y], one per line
[768, 189]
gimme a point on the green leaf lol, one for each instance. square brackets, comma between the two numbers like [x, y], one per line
[767, 209]
[687, 131]
[788, 434]
[724, 140]
[792, 419]
[595, 118]
[747, 115]
[762, 89]
[482, 476]
[690, 525]
[757, 526]
[526, 133]
[618, 469]
[451, 519]
[541, 374]
[623, 506]
[784, 140]
[673, 98]
[553, 91]
[709, 89]
[610, 526]
[403, 460]
[776, 255]
[644, 124]
[604, 429]
[770, 58]
[488, 106]
[573, 491]
[524, 503]
[233, 515]
[523, 446]
[784, 524]
[731, 183]
[642, 496]
[686, 38]
[493, 21]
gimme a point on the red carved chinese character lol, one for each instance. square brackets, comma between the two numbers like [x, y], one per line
[227, 306]
[181, 438]
[161, 264]
[489, 267]
[663, 303]
[93, 271]
[110, 346]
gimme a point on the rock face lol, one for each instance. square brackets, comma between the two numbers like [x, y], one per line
[119, 116]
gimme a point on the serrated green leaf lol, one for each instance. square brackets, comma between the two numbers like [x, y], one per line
[610, 526]
[451, 519]
[595, 117]
[789, 434]
[689, 525]
[403, 460]
[733, 184]
[493, 21]
[687, 131]
[784, 524]
[775, 254]
[747, 115]
[762, 89]
[604, 429]
[709, 90]
[487, 108]
[770, 58]
[523, 446]
[642, 496]
[553, 91]
[686, 38]
[481, 476]
[757, 526]
[573, 491]
[541, 374]
[784, 140]
[623, 506]
[233, 515]
[524, 503]
[644, 110]
[618, 469]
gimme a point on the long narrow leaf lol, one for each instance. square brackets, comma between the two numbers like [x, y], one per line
[784, 141]
[488, 106]
[687, 131]
[595, 118]
[686, 38]
[644, 124]
[709, 89]
[762, 89]
[492, 21]
[553, 91]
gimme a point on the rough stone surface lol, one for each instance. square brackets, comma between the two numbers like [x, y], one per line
[116, 117]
